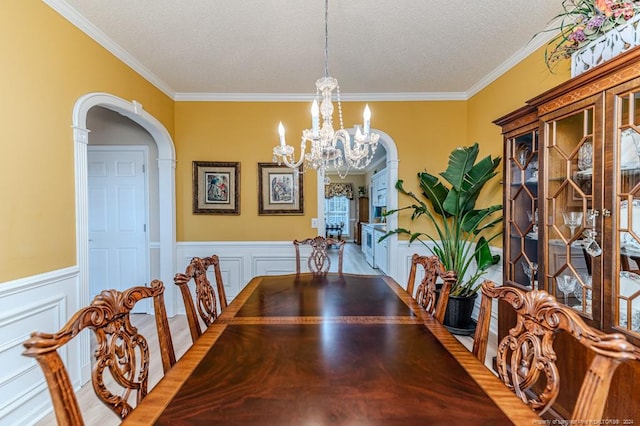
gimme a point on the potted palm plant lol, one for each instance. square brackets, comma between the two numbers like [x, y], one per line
[461, 232]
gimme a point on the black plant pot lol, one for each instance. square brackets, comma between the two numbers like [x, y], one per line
[457, 318]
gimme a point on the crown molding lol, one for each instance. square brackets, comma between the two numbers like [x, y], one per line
[72, 15]
[305, 97]
[534, 44]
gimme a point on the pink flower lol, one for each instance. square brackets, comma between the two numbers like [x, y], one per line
[627, 10]
[604, 6]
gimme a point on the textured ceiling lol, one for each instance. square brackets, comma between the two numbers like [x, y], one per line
[385, 48]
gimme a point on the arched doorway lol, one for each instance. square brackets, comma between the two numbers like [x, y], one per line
[392, 198]
[166, 197]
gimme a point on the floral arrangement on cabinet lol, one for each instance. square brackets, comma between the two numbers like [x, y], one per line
[583, 21]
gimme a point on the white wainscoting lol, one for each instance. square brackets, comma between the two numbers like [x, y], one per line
[39, 303]
[242, 260]
[239, 261]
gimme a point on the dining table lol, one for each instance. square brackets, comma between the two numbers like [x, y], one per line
[329, 349]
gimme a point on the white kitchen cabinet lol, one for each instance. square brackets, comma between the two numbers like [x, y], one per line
[381, 250]
[379, 189]
[368, 244]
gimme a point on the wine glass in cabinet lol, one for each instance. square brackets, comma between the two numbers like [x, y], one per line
[624, 312]
[569, 206]
[521, 181]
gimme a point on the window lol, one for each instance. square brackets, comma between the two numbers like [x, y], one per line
[336, 211]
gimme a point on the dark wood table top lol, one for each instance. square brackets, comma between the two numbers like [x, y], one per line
[338, 349]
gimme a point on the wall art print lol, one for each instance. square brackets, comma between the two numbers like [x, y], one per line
[280, 190]
[216, 187]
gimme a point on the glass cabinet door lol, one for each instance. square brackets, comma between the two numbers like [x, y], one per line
[522, 210]
[572, 241]
[626, 207]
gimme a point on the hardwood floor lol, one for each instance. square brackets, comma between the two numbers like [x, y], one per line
[96, 413]
[353, 261]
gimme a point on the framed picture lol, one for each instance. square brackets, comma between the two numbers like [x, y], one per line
[216, 187]
[280, 190]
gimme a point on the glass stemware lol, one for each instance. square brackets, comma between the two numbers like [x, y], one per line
[533, 218]
[530, 270]
[586, 287]
[572, 220]
[522, 153]
[585, 156]
[566, 284]
[534, 168]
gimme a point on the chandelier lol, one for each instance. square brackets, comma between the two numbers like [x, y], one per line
[329, 148]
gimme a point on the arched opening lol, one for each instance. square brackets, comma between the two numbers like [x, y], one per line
[392, 198]
[166, 196]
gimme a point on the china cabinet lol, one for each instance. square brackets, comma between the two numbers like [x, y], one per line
[572, 213]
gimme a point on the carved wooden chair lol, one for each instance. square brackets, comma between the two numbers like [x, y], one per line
[526, 356]
[319, 261]
[121, 351]
[426, 291]
[207, 309]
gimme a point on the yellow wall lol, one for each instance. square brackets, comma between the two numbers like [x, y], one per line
[510, 91]
[247, 132]
[47, 64]
[244, 132]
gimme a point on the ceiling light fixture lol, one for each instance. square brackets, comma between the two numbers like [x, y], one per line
[329, 148]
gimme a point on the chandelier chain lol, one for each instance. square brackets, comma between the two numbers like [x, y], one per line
[339, 106]
[326, 38]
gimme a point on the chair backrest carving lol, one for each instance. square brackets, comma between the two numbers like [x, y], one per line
[426, 292]
[121, 351]
[215, 262]
[526, 355]
[319, 261]
[206, 304]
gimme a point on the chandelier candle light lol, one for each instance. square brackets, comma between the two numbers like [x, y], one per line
[325, 149]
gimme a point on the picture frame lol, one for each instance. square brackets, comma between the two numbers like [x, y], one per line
[280, 190]
[216, 187]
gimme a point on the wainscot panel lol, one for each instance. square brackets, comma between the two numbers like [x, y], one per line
[239, 261]
[39, 303]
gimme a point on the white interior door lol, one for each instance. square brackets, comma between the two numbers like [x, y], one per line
[118, 244]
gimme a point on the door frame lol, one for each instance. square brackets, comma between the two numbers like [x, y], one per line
[145, 306]
[166, 197]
